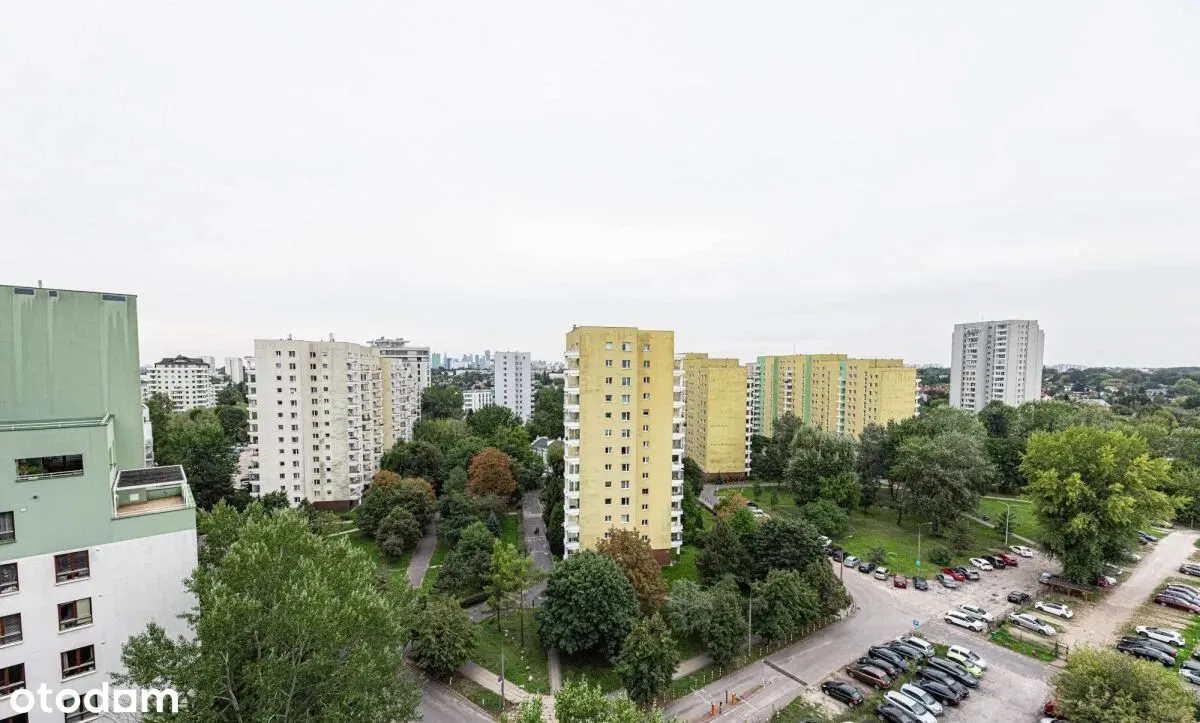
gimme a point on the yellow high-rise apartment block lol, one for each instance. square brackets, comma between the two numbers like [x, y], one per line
[623, 417]
[834, 392]
[715, 409]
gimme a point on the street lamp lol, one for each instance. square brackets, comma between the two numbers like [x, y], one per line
[919, 543]
[1007, 517]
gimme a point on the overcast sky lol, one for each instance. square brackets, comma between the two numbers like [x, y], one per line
[759, 177]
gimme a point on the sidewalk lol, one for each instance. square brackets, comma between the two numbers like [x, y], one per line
[512, 693]
[1013, 535]
[418, 565]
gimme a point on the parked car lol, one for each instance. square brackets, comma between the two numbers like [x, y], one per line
[996, 562]
[961, 619]
[866, 567]
[1145, 652]
[954, 670]
[870, 675]
[1132, 556]
[1186, 664]
[981, 564]
[940, 691]
[967, 572]
[913, 641]
[1009, 560]
[918, 693]
[1021, 550]
[1030, 622]
[957, 651]
[912, 706]
[947, 580]
[945, 679]
[905, 651]
[1164, 648]
[881, 573]
[1018, 597]
[880, 651]
[871, 661]
[1147, 536]
[824, 541]
[1190, 590]
[1054, 608]
[954, 573]
[900, 581]
[1178, 603]
[844, 692]
[1188, 569]
[976, 612]
[1191, 675]
[894, 714]
[836, 553]
[1106, 581]
[1162, 635]
[919, 583]
[851, 561]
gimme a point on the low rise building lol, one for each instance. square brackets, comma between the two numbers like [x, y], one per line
[476, 399]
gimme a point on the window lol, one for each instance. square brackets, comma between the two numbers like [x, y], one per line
[645, 490]
[608, 345]
[645, 475]
[80, 716]
[608, 467]
[75, 614]
[624, 484]
[624, 501]
[645, 507]
[646, 364]
[645, 396]
[608, 500]
[645, 427]
[8, 578]
[608, 415]
[608, 380]
[625, 399]
[626, 346]
[608, 362]
[645, 460]
[627, 381]
[608, 397]
[8, 530]
[645, 380]
[645, 444]
[12, 679]
[626, 363]
[10, 629]
[71, 566]
[646, 413]
[608, 433]
[58, 465]
[608, 483]
[607, 518]
[78, 661]
[625, 433]
[608, 450]
[625, 416]
[645, 347]
[625, 467]
[624, 519]
[625, 450]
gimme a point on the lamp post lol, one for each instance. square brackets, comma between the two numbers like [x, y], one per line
[919, 543]
[1007, 516]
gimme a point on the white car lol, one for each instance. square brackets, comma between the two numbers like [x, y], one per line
[1022, 550]
[1162, 635]
[980, 564]
[976, 612]
[1062, 611]
[912, 706]
[960, 654]
[961, 619]
[881, 573]
[919, 693]
[1038, 625]
[919, 643]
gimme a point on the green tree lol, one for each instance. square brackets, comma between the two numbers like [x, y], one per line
[455, 512]
[279, 641]
[231, 395]
[724, 554]
[1006, 524]
[843, 490]
[580, 702]
[456, 481]
[726, 628]
[197, 442]
[692, 517]
[688, 606]
[771, 462]
[693, 476]
[829, 519]
[1103, 686]
[817, 455]
[1092, 489]
[555, 461]
[442, 402]
[415, 459]
[443, 636]
[555, 534]
[441, 433]
[783, 544]
[547, 417]
[235, 422]
[489, 419]
[399, 529]
[588, 605]
[647, 661]
[877, 555]
[509, 571]
[161, 408]
[831, 594]
[634, 556]
[941, 476]
[468, 567]
[529, 712]
[463, 451]
[784, 605]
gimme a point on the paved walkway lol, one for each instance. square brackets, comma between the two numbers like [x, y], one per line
[708, 494]
[439, 704]
[1013, 535]
[418, 565]
[512, 692]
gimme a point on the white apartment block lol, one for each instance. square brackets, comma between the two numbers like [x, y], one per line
[188, 381]
[752, 406]
[235, 369]
[476, 399]
[401, 400]
[513, 382]
[316, 419]
[996, 361]
[416, 359]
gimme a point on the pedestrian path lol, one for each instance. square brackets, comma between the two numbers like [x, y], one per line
[513, 693]
[1013, 535]
[418, 565]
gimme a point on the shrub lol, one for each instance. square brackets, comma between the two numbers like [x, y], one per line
[940, 556]
[877, 555]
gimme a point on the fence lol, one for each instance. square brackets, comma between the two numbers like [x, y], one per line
[1049, 644]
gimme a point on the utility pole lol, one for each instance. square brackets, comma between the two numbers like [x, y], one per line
[1007, 516]
[501, 677]
[919, 543]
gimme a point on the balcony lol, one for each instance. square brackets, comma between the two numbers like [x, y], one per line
[571, 528]
[572, 545]
[571, 373]
[676, 527]
[150, 490]
[572, 495]
[571, 444]
[571, 354]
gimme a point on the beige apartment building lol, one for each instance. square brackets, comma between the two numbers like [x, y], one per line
[623, 418]
[715, 414]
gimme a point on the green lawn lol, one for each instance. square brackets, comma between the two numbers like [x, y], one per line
[479, 695]
[510, 529]
[1003, 637]
[526, 666]
[684, 567]
[435, 561]
[595, 668]
[398, 568]
[878, 528]
[1024, 521]
[774, 500]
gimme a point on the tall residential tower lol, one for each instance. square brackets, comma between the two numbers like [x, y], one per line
[513, 382]
[715, 413]
[996, 361]
[623, 415]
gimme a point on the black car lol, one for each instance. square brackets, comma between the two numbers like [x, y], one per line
[894, 714]
[1160, 646]
[995, 562]
[879, 651]
[920, 584]
[941, 692]
[1018, 597]
[945, 679]
[905, 651]
[867, 567]
[1145, 652]
[837, 555]
[844, 692]
[884, 665]
[954, 670]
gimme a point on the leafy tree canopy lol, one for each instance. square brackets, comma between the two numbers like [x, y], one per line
[1104, 686]
[589, 605]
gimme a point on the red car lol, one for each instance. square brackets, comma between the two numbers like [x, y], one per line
[954, 573]
[1177, 603]
[870, 675]
[1009, 560]
[899, 581]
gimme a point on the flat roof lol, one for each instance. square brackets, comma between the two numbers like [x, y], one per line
[150, 476]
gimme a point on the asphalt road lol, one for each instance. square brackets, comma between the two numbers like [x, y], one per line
[439, 704]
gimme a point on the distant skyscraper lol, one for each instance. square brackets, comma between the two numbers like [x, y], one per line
[513, 382]
[188, 381]
[996, 361]
[437, 360]
[235, 369]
